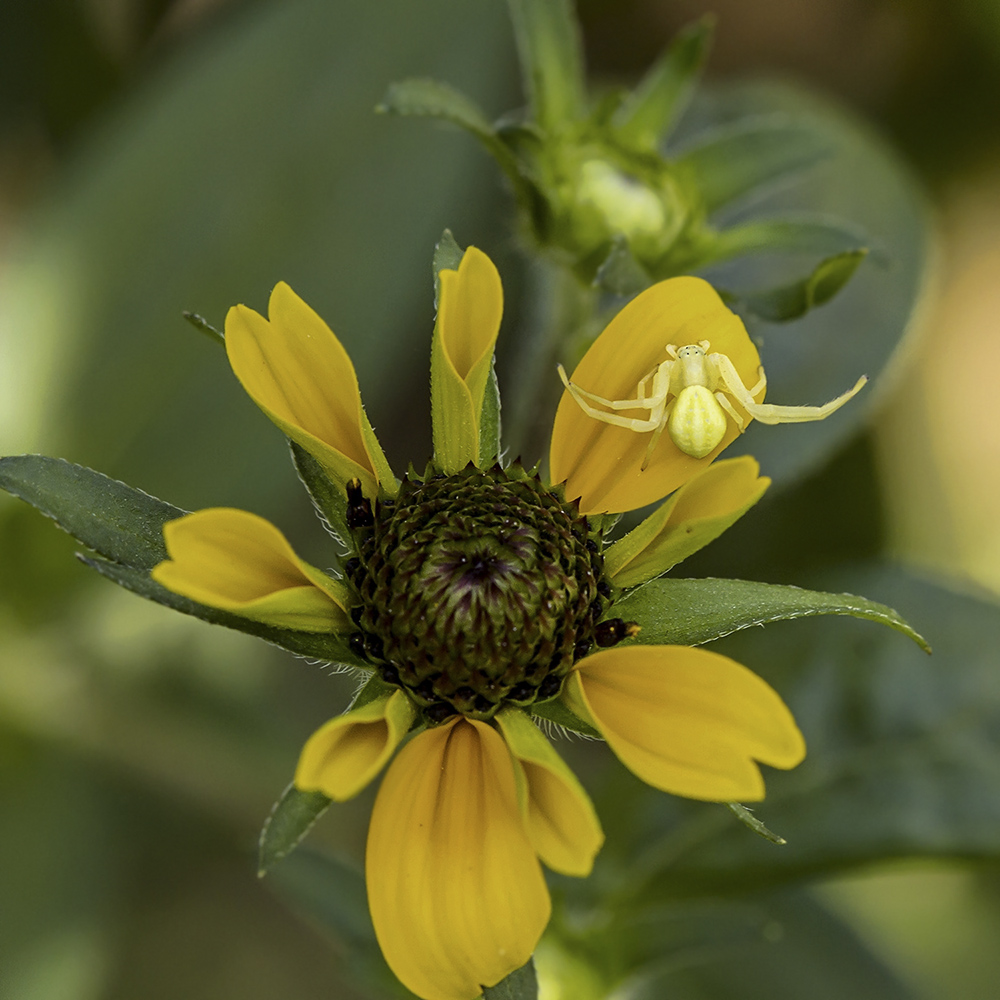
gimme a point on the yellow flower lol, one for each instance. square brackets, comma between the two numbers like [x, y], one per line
[476, 593]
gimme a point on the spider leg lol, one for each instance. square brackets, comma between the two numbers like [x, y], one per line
[769, 413]
[731, 410]
[761, 383]
[656, 435]
[643, 402]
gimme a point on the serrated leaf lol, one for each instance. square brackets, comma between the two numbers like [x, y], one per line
[557, 712]
[647, 115]
[291, 819]
[733, 160]
[779, 305]
[902, 753]
[315, 645]
[117, 521]
[690, 612]
[521, 984]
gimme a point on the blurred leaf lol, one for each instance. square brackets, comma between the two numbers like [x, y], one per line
[802, 234]
[690, 612]
[778, 305]
[61, 880]
[620, 273]
[332, 893]
[291, 819]
[521, 984]
[648, 113]
[323, 646]
[246, 155]
[815, 358]
[902, 753]
[787, 948]
[551, 54]
[116, 520]
[732, 160]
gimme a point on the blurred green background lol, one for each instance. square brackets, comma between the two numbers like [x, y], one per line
[157, 156]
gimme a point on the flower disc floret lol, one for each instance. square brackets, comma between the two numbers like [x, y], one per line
[476, 589]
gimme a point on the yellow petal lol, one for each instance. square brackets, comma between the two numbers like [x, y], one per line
[297, 371]
[236, 561]
[601, 464]
[685, 720]
[345, 754]
[695, 515]
[456, 893]
[461, 355]
[562, 824]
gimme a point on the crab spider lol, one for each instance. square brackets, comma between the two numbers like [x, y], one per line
[688, 396]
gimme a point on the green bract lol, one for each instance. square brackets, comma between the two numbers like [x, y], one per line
[598, 190]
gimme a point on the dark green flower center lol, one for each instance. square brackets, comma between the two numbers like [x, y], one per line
[477, 589]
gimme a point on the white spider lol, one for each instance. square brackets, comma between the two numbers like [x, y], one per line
[695, 416]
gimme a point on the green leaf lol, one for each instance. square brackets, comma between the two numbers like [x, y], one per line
[902, 753]
[489, 419]
[802, 234]
[731, 161]
[421, 98]
[119, 522]
[555, 711]
[551, 53]
[778, 305]
[202, 324]
[107, 375]
[620, 273]
[647, 115]
[447, 256]
[783, 946]
[747, 818]
[291, 819]
[315, 645]
[690, 612]
[328, 498]
[331, 891]
[521, 984]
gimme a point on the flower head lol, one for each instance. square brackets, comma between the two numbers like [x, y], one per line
[475, 595]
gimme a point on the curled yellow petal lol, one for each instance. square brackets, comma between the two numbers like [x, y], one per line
[297, 371]
[236, 561]
[456, 893]
[602, 464]
[685, 720]
[343, 756]
[562, 824]
[468, 322]
[695, 515]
